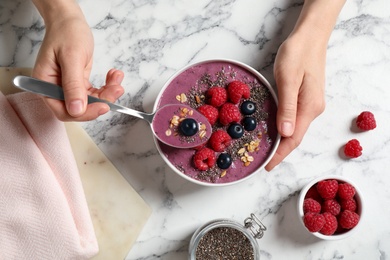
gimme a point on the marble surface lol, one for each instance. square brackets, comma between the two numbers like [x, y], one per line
[150, 40]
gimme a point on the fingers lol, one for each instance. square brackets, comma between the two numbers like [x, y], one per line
[311, 105]
[113, 89]
[74, 84]
[288, 144]
[288, 90]
[92, 112]
[110, 92]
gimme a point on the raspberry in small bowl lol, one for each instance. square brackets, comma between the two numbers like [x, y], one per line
[330, 207]
[240, 105]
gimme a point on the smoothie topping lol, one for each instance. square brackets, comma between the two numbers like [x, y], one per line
[251, 147]
[183, 126]
[204, 159]
[216, 96]
[240, 110]
[210, 112]
[188, 127]
[248, 107]
[238, 90]
[219, 140]
[232, 115]
[224, 109]
[182, 98]
[229, 113]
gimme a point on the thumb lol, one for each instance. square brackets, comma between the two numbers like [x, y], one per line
[287, 107]
[73, 83]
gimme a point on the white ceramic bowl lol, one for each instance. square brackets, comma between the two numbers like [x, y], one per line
[359, 203]
[172, 89]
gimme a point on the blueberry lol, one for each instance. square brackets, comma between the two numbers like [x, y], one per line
[235, 131]
[249, 123]
[188, 127]
[248, 107]
[224, 160]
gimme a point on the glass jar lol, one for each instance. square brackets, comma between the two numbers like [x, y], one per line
[225, 232]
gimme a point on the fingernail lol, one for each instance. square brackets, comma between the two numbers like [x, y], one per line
[119, 78]
[75, 107]
[287, 128]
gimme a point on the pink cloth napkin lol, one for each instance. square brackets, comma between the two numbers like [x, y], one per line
[43, 210]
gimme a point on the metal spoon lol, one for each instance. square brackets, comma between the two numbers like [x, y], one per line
[164, 125]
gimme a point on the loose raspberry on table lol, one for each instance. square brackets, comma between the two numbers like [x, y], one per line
[312, 193]
[311, 205]
[348, 219]
[331, 206]
[327, 189]
[204, 159]
[330, 225]
[348, 205]
[353, 149]
[314, 222]
[210, 112]
[237, 90]
[216, 96]
[346, 191]
[219, 140]
[229, 113]
[366, 121]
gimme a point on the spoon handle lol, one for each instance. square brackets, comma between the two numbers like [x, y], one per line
[51, 90]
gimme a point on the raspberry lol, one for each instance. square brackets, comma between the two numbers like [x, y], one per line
[229, 113]
[366, 121]
[219, 140]
[312, 193]
[353, 149]
[237, 90]
[330, 225]
[348, 205]
[348, 219]
[204, 159]
[340, 229]
[331, 206]
[210, 112]
[346, 191]
[216, 96]
[311, 205]
[327, 189]
[314, 222]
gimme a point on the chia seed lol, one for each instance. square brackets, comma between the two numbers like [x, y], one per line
[224, 243]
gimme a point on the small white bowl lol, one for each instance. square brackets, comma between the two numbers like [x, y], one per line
[359, 203]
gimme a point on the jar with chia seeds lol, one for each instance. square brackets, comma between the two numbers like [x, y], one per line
[227, 239]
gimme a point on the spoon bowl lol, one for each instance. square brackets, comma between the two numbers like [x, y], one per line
[165, 121]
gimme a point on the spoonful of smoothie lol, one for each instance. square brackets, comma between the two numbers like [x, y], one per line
[176, 125]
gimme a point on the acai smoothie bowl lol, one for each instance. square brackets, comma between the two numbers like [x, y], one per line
[241, 107]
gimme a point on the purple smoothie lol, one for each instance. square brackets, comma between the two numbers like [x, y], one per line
[193, 82]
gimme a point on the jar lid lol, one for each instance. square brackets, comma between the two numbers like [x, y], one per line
[227, 239]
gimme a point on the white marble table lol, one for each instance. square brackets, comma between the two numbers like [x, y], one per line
[150, 40]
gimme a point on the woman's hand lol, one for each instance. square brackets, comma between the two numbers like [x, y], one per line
[300, 78]
[65, 58]
[299, 72]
